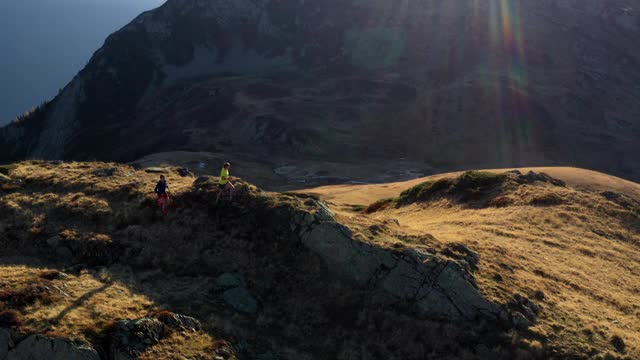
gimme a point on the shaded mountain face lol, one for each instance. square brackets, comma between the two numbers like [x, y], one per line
[45, 42]
[453, 84]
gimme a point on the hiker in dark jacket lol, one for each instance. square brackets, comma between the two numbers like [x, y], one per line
[163, 195]
[162, 187]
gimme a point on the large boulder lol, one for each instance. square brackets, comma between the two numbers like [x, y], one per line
[106, 172]
[156, 170]
[5, 343]
[39, 347]
[241, 300]
[184, 172]
[438, 288]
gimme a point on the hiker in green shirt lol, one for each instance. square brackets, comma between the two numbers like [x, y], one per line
[225, 183]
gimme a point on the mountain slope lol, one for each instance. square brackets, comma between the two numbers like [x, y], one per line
[455, 84]
[575, 245]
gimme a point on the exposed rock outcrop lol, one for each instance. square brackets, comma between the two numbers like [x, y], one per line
[438, 288]
[178, 321]
[129, 338]
[5, 343]
[39, 347]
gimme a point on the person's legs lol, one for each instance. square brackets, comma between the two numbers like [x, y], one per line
[231, 189]
[162, 201]
[221, 189]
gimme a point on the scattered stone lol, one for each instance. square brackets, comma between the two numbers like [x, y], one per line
[76, 269]
[241, 300]
[54, 241]
[393, 221]
[6, 343]
[129, 338]
[462, 252]
[184, 172]
[64, 253]
[227, 281]
[498, 277]
[375, 229]
[618, 343]
[507, 267]
[178, 321]
[108, 172]
[155, 170]
[533, 176]
[521, 307]
[224, 352]
[41, 347]
[539, 295]
[520, 321]
[53, 275]
[55, 162]
[610, 195]
[621, 200]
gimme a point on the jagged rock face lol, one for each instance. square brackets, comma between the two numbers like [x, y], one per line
[436, 287]
[456, 84]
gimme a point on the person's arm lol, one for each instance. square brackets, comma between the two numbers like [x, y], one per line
[156, 188]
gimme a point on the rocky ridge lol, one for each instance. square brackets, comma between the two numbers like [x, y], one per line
[272, 252]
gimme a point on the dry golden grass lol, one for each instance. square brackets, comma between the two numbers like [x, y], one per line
[580, 249]
[70, 201]
[181, 345]
[367, 194]
[86, 305]
[82, 303]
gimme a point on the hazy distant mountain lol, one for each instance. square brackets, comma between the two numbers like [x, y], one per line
[452, 83]
[45, 42]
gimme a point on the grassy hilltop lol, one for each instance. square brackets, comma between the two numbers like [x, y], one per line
[536, 266]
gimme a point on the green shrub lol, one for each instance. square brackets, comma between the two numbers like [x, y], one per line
[379, 205]
[478, 180]
[424, 191]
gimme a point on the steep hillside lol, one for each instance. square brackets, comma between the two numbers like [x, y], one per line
[454, 84]
[480, 266]
[571, 241]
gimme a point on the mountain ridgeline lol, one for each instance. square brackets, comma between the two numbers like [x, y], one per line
[451, 83]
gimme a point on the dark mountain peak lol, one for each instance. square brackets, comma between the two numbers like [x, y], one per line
[453, 84]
